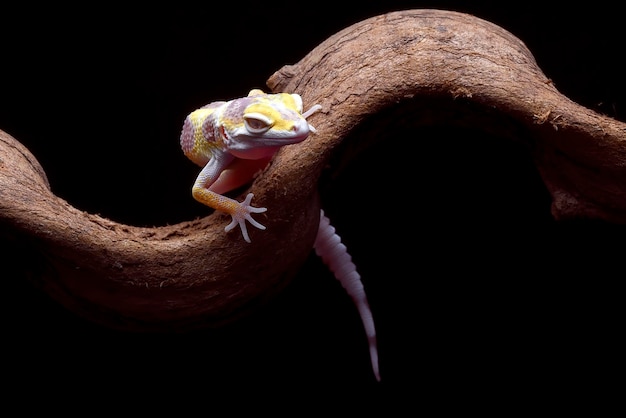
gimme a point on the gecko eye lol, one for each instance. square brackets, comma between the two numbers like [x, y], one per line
[257, 123]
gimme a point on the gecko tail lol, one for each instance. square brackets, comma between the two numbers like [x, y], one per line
[334, 254]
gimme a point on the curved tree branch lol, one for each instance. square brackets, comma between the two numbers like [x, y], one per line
[401, 69]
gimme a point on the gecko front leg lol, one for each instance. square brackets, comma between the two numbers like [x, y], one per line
[240, 212]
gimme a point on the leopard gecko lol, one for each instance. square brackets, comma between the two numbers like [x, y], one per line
[231, 141]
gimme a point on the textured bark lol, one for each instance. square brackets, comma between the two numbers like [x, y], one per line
[375, 79]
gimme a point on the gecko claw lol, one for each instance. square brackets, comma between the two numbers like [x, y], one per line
[242, 215]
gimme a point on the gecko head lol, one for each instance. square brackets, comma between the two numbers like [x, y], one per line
[256, 126]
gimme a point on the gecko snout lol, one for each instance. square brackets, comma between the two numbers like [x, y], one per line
[300, 130]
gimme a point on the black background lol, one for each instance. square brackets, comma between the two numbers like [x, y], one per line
[481, 300]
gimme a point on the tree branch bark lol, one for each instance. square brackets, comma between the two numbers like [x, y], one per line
[389, 73]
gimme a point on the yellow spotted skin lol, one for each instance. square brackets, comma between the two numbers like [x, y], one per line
[194, 144]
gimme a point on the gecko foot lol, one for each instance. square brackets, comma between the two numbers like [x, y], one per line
[243, 214]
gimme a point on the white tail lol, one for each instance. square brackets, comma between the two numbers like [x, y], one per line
[335, 255]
